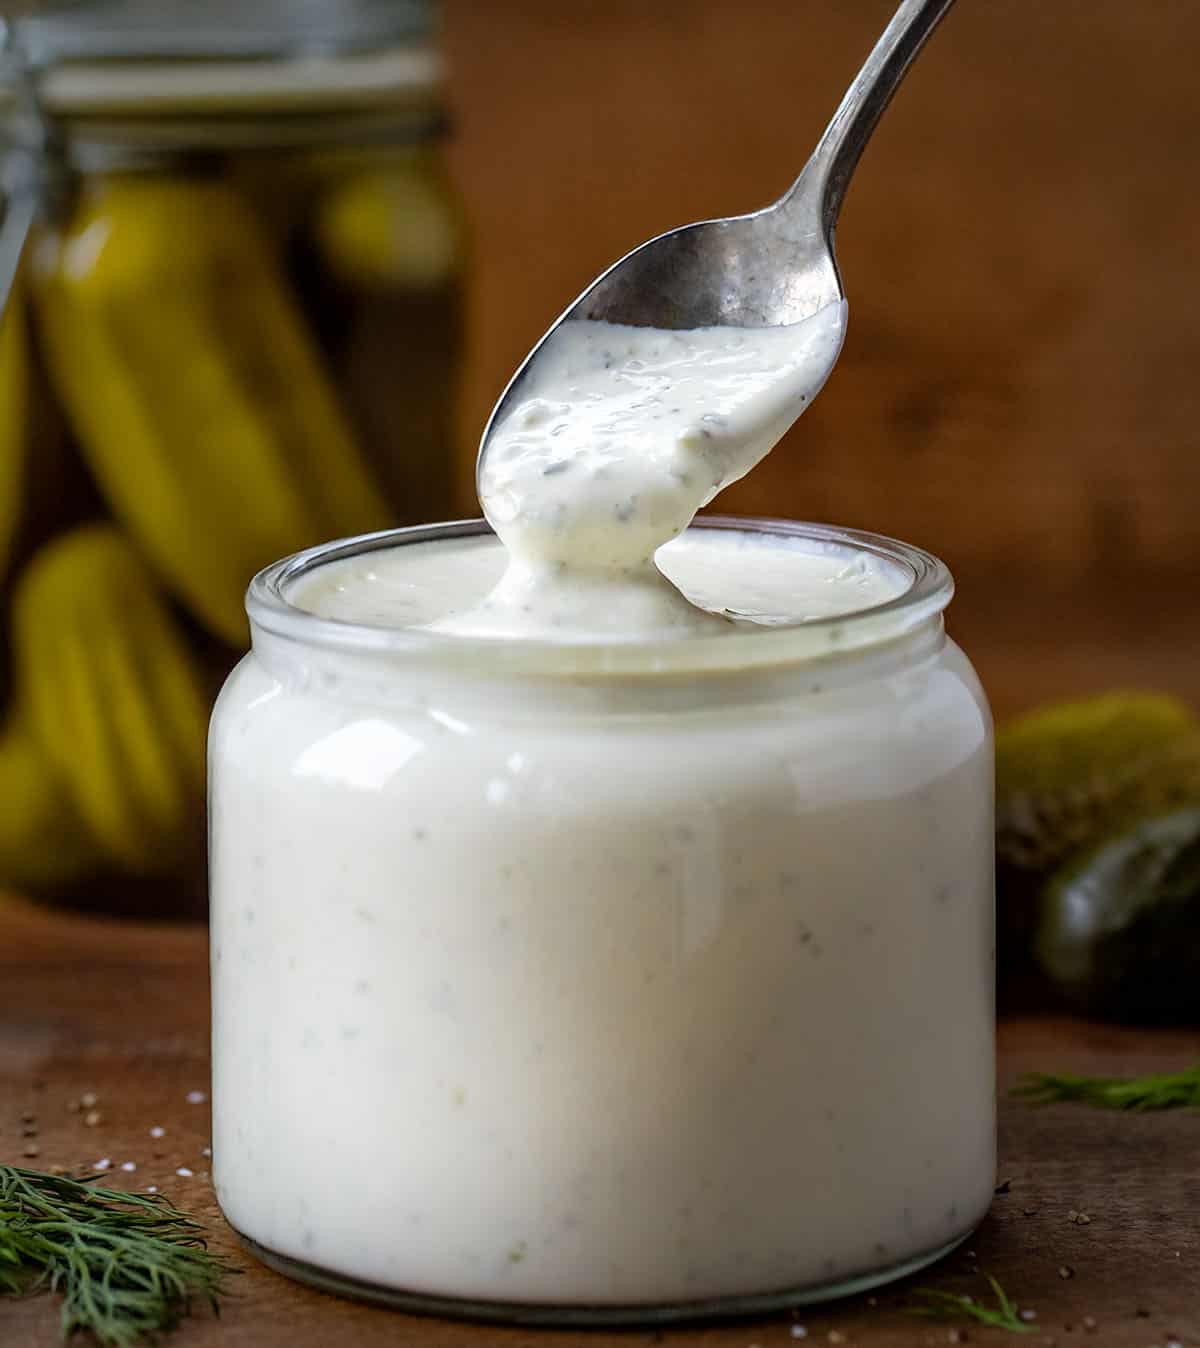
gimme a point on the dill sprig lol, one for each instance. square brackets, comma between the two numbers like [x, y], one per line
[1166, 1090]
[948, 1306]
[127, 1265]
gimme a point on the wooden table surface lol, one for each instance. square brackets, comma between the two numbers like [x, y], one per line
[121, 1011]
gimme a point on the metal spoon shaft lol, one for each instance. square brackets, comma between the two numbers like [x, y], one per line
[821, 187]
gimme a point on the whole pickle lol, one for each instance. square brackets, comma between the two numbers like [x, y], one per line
[1068, 775]
[1119, 934]
[197, 394]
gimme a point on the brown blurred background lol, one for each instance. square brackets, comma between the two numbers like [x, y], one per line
[238, 331]
[1019, 388]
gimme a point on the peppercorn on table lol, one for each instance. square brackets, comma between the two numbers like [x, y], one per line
[104, 1065]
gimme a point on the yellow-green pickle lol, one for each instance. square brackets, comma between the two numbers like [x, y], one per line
[233, 331]
[1098, 854]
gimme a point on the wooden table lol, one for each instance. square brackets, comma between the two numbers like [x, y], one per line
[121, 1011]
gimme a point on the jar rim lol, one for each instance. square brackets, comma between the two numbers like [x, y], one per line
[930, 589]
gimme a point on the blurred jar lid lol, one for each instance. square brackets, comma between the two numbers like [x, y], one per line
[143, 67]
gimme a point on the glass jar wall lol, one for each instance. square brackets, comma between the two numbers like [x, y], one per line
[234, 331]
[649, 979]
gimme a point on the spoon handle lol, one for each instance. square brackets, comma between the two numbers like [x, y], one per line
[822, 185]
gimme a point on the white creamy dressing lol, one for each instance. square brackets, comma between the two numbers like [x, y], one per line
[621, 435]
[750, 579]
[613, 990]
[526, 991]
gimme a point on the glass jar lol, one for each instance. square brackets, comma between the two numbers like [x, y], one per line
[234, 331]
[602, 983]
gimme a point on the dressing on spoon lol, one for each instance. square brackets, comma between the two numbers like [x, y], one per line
[623, 435]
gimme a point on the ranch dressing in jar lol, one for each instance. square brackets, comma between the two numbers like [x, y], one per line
[600, 979]
[602, 912]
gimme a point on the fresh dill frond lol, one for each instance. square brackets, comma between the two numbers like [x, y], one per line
[128, 1266]
[948, 1306]
[1165, 1090]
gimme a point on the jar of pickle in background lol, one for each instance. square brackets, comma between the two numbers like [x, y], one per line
[233, 329]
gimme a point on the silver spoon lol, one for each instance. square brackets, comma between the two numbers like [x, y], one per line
[771, 267]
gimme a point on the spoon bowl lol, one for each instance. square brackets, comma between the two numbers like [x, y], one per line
[773, 267]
